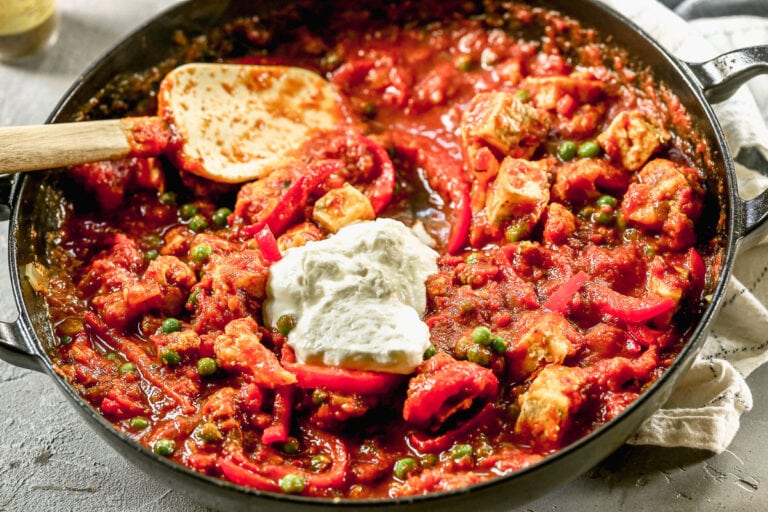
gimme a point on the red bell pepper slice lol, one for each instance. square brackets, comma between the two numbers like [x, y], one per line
[429, 444]
[352, 73]
[561, 298]
[268, 245]
[695, 265]
[461, 222]
[343, 380]
[632, 310]
[135, 354]
[239, 475]
[446, 177]
[380, 191]
[295, 197]
[281, 422]
[237, 468]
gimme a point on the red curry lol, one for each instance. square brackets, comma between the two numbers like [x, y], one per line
[549, 174]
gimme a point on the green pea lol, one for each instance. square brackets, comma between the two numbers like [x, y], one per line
[192, 300]
[482, 335]
[462, 345]
[331, 60]
[459, 451]
[110, 356]
[291, 446]
[187, 211]
[170, 357]
[319, 396]
[484, 450]
[168, 198]
[65, 340]
[320, 462]
[221, 216]
[523, 95]
[567, 150]
[209, 432]
[606, 200]
[292, 484]
[603, 218]
[138, 423]
[206, 366]
[201, 252]
[586, 212]
[285, 324]
[514, 233]
[428, 460]
[472, 258]
[164, 447]
[479, 354]
[464, 62]
[170, 325]
[498, 345]
[648, 251]
[430, 352]
[589, 149]
[153, 241]
[127, 368]
[198, 223]
[621, 222]
[151, 255]
[405, 466]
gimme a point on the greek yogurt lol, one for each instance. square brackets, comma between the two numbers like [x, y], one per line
[357, 297]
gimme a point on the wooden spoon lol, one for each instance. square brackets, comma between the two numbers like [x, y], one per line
[228, 123]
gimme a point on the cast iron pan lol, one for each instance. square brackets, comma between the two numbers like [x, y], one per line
[32, 203]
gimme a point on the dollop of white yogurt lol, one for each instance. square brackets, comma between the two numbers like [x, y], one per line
[358, 297]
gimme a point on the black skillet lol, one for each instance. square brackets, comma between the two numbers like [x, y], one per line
[32, 203]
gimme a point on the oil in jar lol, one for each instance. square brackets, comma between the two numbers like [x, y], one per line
[26, 26]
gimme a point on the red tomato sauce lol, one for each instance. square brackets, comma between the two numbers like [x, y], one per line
[550, 178]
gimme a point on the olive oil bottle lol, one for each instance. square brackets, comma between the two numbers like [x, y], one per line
[26, 26]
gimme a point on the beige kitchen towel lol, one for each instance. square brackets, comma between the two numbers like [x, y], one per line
[706, 405]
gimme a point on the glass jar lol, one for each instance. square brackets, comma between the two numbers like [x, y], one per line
[26, 26]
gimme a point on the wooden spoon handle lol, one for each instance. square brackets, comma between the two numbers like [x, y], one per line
[30, 148]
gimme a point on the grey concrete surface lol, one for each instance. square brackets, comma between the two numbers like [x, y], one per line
[51, 461]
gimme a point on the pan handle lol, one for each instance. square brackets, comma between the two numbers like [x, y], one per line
[6, 195]
[14, 350]
[719, 79]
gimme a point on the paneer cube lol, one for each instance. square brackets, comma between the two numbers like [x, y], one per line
[505, 123]
[548, 90]
[546, 339]
[666, 197]
[555, 395]
[342, 206]
[559, 224]
[520, 189]
[631, 139]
